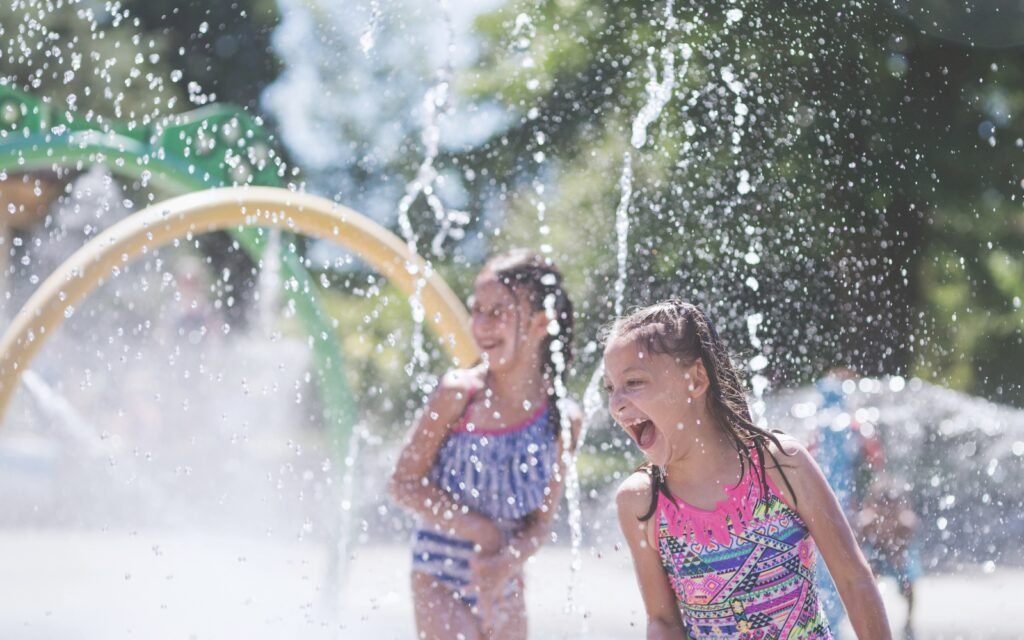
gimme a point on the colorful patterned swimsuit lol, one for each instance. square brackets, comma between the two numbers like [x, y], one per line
[502, 474]
[744, 570]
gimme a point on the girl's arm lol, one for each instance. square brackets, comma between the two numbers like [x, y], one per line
[819, 508]
[493, 570]
[528, 540]
[410, 485]
[664, 621]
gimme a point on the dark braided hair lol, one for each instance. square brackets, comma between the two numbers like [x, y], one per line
[536, 277]
[682, 330]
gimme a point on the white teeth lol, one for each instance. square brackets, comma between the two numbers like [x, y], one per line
[637, 427]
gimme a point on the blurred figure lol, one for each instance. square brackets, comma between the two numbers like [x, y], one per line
[848, 454]
[193, 315]
[482, 466]
[887, 524]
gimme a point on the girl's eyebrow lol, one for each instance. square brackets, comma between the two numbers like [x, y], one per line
[626, 371]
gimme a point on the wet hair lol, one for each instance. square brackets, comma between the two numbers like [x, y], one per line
[535, 279]
[682, 330]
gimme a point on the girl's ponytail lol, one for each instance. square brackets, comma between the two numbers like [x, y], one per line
[535, 276]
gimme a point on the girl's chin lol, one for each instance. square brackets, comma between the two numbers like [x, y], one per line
[494, 360]
[655, 457]
[658, 456]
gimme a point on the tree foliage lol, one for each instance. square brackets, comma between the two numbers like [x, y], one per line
[825, 165]
[138, 60]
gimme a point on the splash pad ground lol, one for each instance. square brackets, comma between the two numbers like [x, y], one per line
[112, 585]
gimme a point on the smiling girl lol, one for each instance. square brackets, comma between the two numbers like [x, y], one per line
[482, 466]
[724, 520]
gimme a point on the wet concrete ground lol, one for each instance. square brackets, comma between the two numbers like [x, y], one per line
[156, 585]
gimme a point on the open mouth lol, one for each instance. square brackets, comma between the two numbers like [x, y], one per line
[644, 433]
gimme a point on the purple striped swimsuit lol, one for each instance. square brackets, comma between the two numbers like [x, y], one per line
[502, 474]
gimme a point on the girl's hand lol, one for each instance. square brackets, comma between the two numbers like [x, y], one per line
[492, 571]
[409, 486]
[483, 533]
[491, 574]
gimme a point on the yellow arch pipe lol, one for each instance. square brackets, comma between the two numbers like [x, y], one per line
[215, 210]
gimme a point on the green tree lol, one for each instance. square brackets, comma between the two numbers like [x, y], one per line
[139, 62]
[814, 165]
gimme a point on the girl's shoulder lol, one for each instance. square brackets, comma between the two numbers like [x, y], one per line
[571, 408]
[634, 494]
[791, 453]
[634, 501]
[458, 385]
[454, 392]
[791, 469]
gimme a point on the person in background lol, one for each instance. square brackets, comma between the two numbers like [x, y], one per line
[887, 524]
[847, 452]
[482, 467]
[852, 458]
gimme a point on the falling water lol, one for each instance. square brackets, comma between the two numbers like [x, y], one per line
[758, 381]
[572, 482]
[658, 95]
[64, 415]
[338, 561]
[622, 230]
[94, 443]
[369, 38]
[523, 33]
[593, 401]
[436, 105]
[269, 283]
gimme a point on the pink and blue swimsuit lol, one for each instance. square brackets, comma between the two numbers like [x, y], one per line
[502, 474]
[744, 570]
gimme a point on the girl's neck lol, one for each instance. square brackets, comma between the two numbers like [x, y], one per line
[522, 382]
[711, 455]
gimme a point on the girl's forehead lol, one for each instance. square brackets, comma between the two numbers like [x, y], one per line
[625, 348]
[490, 291]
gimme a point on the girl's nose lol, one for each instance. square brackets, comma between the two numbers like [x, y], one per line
[616, 406]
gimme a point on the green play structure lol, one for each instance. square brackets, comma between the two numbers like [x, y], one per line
[215, 146]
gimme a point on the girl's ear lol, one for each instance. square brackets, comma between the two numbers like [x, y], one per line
[699, 380]
[539, 324]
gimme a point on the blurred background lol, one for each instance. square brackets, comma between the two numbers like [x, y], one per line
[838, 183]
